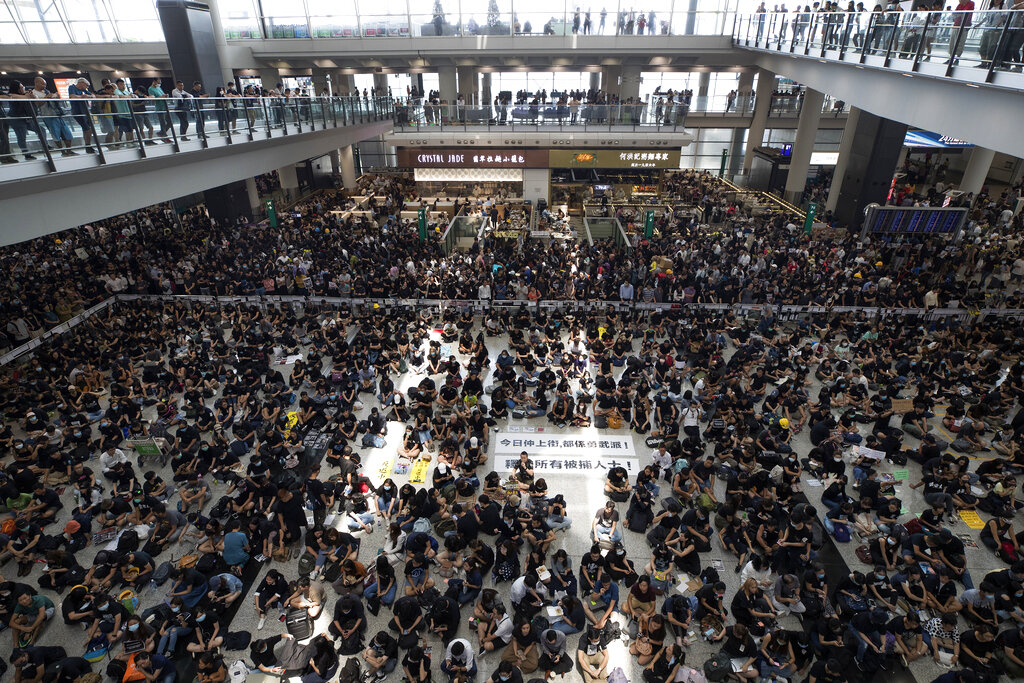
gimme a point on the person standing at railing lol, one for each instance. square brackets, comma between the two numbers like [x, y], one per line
[52, 113]
[1008, 53]
[991, 25]
[21, 119]
[650, 23]
[80, 93]
[156, 91]
[141, 110]
[604, 16]
[588, 24]
[123, 116]
[233, 102]
[183, 102]
[760, 12]
[961, 27]
[576, 21]
[198, 94]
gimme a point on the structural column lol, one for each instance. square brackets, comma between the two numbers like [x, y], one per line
[380, 84]
[610, 79]
[845, 150]
[735, 151]
[468, 85]
[700, 102]
[630, 86]
[319, 76]
[348, 167]
[221, 41]
[595, 80]
[745, 91]
[762, 106]
[289, 180]
[977, 170]
[269, 77]
[253, 192]
[447, 84]
[806, 131]
[486, 97]
[868, 154]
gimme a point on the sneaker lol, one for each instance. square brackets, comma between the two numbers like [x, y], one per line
[30, 157]
[903, 660]
[90, 150]
[262, 621]
[8, 160]
[185, 138]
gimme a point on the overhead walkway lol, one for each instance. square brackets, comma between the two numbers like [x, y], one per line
[139, 156]
[954, 72]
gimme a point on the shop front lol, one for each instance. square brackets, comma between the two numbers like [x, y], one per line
[602, 177]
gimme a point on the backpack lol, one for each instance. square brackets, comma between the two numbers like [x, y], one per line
[128, 542]
[540, 623]
[614, 422]
[162, 573]
[421, 525]
[841, 533]
[351, 672]
[718, 667]
[237, 640]
[306, 564]
[238, 671]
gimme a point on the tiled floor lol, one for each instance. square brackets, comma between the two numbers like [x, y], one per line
[584, 493]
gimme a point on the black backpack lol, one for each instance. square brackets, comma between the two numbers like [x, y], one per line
[128, 542]
[351, 672]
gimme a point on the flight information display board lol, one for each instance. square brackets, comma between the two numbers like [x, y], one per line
[914, 220]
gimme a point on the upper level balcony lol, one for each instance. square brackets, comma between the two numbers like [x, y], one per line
[971, 47]
[42, 137]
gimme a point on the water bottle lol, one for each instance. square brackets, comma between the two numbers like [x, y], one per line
[380, 523]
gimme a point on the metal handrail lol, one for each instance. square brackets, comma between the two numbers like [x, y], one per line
[96, 127]
[960, 42]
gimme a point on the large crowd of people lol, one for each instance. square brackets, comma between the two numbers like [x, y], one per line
[266, 418]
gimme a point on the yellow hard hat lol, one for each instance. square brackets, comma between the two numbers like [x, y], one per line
[857, 276]
[376, 305]
[878, 263]
[784, 423]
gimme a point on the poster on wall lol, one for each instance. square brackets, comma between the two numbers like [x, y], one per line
[614, 158]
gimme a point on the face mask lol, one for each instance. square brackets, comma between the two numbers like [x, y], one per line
[175, 609]
[891, 541]
[133, 627]
[201, 618]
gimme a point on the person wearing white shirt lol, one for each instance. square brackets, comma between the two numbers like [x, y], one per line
[183, 105]
[662, 458]
[458, 659]
[111, 458]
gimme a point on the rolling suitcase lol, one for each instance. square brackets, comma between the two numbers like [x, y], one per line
[298, 623]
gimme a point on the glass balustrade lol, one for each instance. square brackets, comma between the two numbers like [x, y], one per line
[971, 45]
[53, 134]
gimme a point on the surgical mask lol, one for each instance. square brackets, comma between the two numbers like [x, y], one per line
[133, 627]
[175, 609]
[201, 618]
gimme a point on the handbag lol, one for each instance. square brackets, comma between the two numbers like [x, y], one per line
[643, 646]
[864, 553]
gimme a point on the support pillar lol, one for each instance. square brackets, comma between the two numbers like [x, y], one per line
[762, 106]
[976, 172]
[468, 87]
[868, 154]
[96, 81]
[610, 79]
[335, 157]
[348, 167]
[595, 80]
[745, 91]
[845, 151]
[254, 194]
[289, 180]
[345, 85]
[700, 102]
[319, 76]
[380, 84]
[269, 77]
[194, 60]
[630, 86]
[447, 84]
[486, 97]
[221, 42]
[736, 152]
[806, 131]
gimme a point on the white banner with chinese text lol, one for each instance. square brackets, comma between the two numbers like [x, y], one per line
[572, 453]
